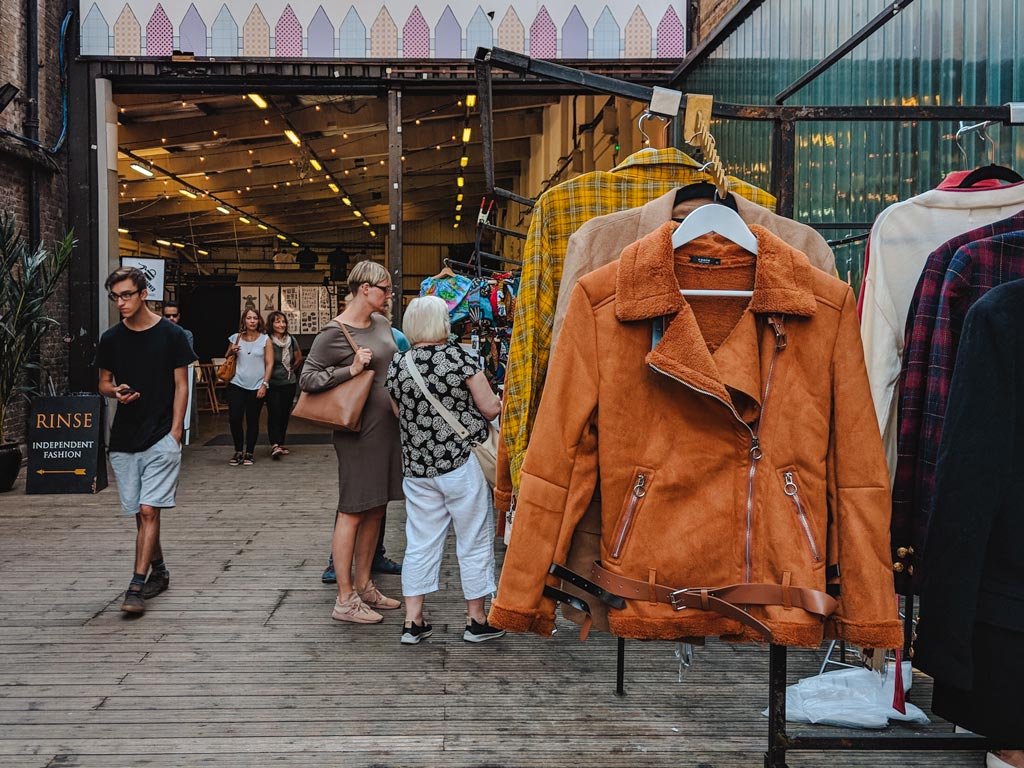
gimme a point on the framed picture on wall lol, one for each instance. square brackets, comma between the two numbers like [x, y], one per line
[249, 298]
[153, 269]
[268, 299]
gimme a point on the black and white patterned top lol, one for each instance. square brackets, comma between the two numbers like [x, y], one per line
[429, 446]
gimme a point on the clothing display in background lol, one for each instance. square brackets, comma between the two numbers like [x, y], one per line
[730, 449]
[971, 627]
[954, 277]
[455, 289]
[557, 214]
[902, 237]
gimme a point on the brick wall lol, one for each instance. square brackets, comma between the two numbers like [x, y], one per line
[16, 161]
[711, 12]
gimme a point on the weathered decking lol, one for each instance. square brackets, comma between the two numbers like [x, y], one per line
[240, 664]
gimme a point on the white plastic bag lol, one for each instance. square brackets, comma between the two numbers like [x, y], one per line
[849, 698]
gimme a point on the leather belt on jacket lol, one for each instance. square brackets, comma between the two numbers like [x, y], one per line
[722, 600]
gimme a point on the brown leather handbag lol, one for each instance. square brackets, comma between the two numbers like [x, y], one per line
[226, 370]
[341, 406]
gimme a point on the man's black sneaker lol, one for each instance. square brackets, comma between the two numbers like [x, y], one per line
[157, 582]
[385, 565]
[133, 602]
[416, 632]
[480, 633]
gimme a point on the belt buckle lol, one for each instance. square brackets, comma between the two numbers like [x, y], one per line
[676, 606]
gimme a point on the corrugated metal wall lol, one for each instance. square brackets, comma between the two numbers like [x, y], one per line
[933, 52]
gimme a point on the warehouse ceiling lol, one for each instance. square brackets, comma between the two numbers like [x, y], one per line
[225, 173]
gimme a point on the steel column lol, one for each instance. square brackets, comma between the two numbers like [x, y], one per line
[395, 202]
[784, 166]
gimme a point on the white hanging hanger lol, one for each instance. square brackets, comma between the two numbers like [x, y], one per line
[714, 217]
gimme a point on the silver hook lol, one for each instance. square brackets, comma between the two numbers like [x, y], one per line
[960, 132]
[640, 126]
[993, 147]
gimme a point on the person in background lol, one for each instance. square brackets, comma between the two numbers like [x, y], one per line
[248, 388]
[444, 485]
[143, 364]
[381, 562]
[282, 381]
[173, 313]
[369, 461]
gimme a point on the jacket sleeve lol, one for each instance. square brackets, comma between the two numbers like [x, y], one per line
[975, 459]
[558, 477]
[859, 501]
[530, 344]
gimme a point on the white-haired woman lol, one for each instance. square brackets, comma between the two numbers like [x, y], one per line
[444, 484]
[369, 461]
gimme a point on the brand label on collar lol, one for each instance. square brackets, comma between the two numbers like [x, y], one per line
[710, 261]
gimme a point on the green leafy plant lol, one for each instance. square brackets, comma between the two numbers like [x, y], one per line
[28, 279]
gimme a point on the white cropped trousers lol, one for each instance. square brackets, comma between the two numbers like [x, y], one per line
[459, 498]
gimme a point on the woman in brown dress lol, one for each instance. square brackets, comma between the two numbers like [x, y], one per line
[369, 461]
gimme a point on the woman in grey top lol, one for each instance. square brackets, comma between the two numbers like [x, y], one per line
[281, 390]
[369, 461]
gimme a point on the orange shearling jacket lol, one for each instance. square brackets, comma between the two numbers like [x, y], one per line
[737, 448]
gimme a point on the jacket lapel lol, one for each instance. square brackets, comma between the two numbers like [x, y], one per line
[647, 288]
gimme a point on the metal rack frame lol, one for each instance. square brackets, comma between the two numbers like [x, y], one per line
[784, 120]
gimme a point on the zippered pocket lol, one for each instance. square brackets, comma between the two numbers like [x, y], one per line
[791, 490]
[632, 505]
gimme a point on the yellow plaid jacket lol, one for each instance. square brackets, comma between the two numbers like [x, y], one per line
[558, 213]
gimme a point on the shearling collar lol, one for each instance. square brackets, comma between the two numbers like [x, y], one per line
[646, 285]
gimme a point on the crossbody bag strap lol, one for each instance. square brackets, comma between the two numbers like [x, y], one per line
[445, 414]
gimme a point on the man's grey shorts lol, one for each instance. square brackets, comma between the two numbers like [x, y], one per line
[149, 477]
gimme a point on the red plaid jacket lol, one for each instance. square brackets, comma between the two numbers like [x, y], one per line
[955, 276]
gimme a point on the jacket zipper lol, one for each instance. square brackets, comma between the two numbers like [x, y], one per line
[794, 493]
[755, 441]
[638, 492]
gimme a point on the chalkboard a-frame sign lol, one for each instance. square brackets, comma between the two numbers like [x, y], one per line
[65, 445]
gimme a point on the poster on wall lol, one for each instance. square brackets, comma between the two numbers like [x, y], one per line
[153, 269]
[289, 298]
[249, 298]
[268, 299]
[309, 309]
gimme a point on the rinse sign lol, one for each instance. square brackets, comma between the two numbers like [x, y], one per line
[65, 445]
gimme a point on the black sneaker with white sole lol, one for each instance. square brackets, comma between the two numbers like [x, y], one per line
[481, 633]
[416, 632]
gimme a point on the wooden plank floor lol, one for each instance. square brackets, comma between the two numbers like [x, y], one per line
[240, 664]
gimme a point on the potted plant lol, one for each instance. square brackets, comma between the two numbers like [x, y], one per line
[28, 279]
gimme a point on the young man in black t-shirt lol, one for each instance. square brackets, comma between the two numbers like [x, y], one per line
[143, 363]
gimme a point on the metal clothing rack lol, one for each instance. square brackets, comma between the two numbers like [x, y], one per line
[783, 156]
